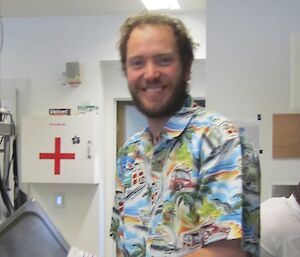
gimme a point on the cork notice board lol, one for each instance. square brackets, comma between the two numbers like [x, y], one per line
[286, 135]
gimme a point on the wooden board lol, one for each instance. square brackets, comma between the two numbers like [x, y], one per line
[286, 135]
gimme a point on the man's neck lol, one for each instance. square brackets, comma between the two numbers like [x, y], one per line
[156, 126]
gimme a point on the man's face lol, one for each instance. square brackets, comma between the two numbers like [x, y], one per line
[154, 71]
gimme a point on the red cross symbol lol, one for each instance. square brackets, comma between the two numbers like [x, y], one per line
[57, 156]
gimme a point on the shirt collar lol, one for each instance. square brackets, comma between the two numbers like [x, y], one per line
[177, 123]
[180, 120]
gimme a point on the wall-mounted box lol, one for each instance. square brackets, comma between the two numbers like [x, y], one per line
[60, 149]
[286, 135]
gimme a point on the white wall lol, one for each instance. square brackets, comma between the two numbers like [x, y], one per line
[248, 71]
[37, 49]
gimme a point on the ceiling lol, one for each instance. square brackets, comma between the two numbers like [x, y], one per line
[29, 8]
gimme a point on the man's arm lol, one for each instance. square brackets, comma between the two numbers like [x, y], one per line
[224, 248]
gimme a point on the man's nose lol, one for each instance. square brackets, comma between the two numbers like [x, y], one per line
[151, 72]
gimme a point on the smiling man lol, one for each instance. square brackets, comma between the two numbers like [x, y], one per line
[179, 181]
[154, 72]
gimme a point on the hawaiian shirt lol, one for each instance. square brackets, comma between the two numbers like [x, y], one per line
[181, 193]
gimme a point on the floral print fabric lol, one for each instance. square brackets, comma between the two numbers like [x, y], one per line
[182, 193]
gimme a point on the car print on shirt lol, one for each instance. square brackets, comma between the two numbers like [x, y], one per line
[180, 179]
[205, 235]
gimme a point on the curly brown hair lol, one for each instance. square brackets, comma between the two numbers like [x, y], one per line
[185, 44]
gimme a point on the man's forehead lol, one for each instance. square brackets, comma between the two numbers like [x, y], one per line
[146, 26]
[152, 33]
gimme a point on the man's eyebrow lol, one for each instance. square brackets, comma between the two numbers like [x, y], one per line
[155, 55]
[134, 57]
[165, 54]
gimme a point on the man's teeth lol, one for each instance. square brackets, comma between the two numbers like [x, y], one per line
[153, 89]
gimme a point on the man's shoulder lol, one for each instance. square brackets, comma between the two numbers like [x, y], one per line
[209, 118]
[135, 138]
[216, 125]
[132, 143]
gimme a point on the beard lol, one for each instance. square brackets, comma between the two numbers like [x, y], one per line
[172, 105]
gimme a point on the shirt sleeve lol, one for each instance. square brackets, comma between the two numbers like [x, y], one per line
[221, 176]
[116, 228]
[251, 198]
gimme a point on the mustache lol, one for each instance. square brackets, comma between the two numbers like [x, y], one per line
[153, 84]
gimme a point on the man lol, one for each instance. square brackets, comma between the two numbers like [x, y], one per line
[179, 181]
[280, 223]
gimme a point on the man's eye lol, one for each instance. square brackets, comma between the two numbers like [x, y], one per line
[164, 60]
[136, 63]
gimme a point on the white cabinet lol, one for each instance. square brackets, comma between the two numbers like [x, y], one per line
[60, 149]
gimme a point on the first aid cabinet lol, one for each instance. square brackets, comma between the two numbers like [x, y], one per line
[60, 149]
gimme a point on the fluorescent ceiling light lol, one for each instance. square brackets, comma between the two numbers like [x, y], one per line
[161, 4]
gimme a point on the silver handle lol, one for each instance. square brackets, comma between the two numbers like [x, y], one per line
[89, 153]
